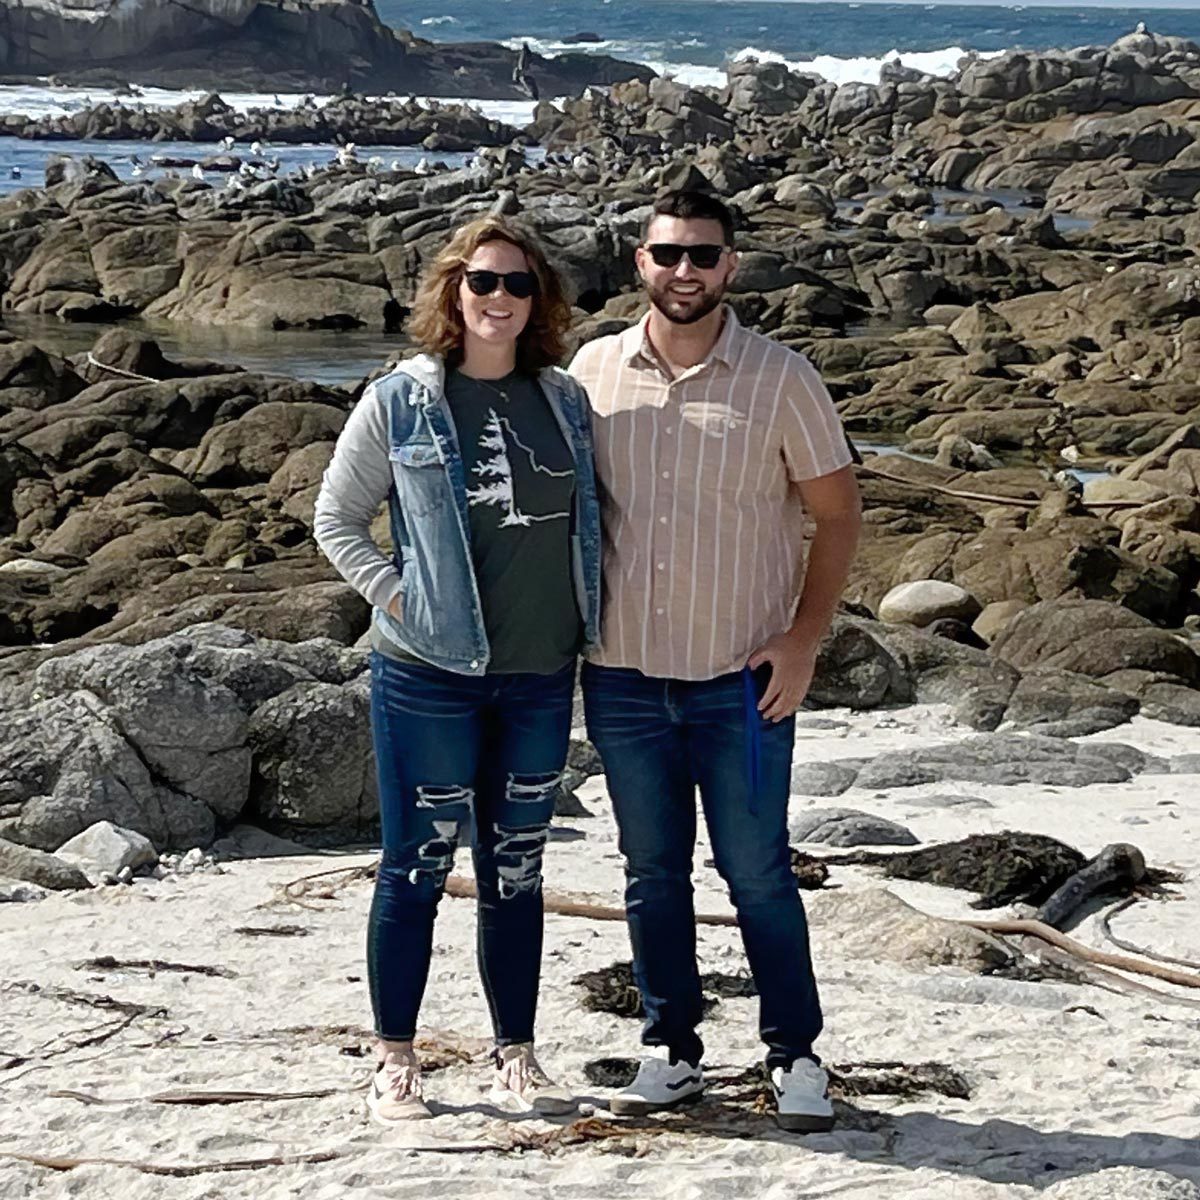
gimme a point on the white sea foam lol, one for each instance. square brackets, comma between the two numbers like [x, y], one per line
[942, 62]
[36, 101]
[549, 47]
[447, 20]
[61, 101]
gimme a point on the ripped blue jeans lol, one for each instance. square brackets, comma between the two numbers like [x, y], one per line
[449, 748]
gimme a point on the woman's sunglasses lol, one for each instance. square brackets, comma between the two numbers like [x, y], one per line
[518, 284]
[703, 257]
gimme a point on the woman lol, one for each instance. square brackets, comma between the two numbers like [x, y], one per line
[483, 450]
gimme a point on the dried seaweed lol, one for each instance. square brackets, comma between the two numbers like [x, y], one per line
[611, 989]
[810, 870]
[153, 966]
[279, 931]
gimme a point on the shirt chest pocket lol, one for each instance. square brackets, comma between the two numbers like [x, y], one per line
[421, 482]
[723, 448]
[713, 420]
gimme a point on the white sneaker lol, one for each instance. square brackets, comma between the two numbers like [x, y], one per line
[802, 1094]
[520, 1084]
[659, 1085]
[395, 1092]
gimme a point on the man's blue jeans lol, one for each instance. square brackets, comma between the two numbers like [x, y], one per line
[449, 747]
[660, 739]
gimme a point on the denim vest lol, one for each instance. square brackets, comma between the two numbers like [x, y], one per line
[427, 505]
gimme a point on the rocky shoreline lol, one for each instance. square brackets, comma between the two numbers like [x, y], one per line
[365, 121]
[268, 46]
[155, 515]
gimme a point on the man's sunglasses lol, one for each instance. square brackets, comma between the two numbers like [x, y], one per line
[518, 284]
[668, 254]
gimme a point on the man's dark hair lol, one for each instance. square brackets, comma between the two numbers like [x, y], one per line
[690, 205]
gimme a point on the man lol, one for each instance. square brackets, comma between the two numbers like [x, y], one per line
[715, 447]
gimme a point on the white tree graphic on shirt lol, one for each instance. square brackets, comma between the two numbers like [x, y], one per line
[496, 473]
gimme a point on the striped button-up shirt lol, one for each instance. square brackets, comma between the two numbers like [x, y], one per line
[704, 527]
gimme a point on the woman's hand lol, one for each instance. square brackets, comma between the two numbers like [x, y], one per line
[394, 607]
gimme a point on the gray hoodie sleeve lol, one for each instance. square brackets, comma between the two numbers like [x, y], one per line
[355, 484]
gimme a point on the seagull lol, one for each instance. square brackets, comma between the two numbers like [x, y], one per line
[256, 149]
[374, 163]
[227, 143]
[197, 171]
[138, 170]
[423, 167]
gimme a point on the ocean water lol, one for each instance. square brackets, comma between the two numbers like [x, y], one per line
[23, 162]
[843, 42]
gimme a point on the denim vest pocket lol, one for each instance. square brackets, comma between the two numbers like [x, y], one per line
[421, 484]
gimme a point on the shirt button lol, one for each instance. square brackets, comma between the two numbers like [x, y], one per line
[662, 520]
[662, 566]
[474, 663]
[660, 611]
[670, 429]
[666, 474]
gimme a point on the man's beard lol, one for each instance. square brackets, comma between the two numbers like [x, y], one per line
[704, 301]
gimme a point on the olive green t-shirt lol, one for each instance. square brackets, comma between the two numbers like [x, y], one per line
[520, 478]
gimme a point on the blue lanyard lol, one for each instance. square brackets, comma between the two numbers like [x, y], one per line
[753, 739]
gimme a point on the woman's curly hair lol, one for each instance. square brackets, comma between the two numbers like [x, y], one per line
[436, 322]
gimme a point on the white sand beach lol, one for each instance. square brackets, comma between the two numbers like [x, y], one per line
[1066, 1082]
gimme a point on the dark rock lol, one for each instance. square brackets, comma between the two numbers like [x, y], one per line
[995, 759]
[824, 778]
[38, 867]
[313, 765]
[188, 730]
[847, 827]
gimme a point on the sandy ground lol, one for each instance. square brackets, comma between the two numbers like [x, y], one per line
[1065, 1081]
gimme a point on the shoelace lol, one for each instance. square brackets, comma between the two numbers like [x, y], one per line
[522, 1071]
[402, 1079]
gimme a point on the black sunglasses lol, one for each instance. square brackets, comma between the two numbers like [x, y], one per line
[518, 284]
[668, 254]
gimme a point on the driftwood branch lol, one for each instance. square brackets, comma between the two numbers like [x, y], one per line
[1121, 962]
[1133, 948]
[198, 1099]
[988, 497]
[565, 906]
[58, 1163]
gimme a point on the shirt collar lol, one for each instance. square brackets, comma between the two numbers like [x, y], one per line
[636, 344]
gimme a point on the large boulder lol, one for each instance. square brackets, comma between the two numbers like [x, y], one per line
[313, 763]
[65, 765]
[189, 730]
[923, 601]
[874, 923]
[1092, 638]
[40, 868]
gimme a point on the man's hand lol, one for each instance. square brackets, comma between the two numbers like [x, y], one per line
[793, 660]
[394, 608]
